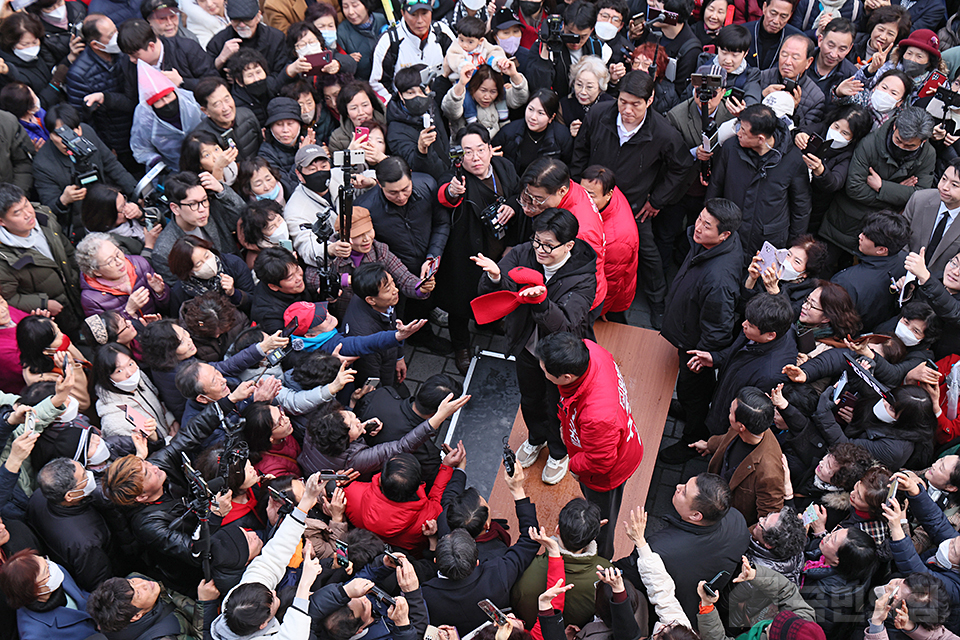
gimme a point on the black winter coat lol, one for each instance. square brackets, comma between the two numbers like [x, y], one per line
[681, 545]
[399, 419]
[570, 295]
[403, 130]
[180, 54]
[36, 74]
[269, 305]
[267, 40]
[555, 141]
[555, 74]
[282, 157]
[700, 309]
[53, 172]
[459, 276]
[55, 39]
[414, 231]
[76, 536]
[947, 306]
[164, 527]
[114, 118]
[748, 365]
[772, 190]
[246, 133]
[363, 320]
[653, 165]
[868, 284]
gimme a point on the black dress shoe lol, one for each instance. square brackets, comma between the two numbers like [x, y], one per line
[677, 410]
[463, 358]
[678, 453]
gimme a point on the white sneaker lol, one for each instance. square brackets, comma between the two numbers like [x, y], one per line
[554, 470]
[528, 453]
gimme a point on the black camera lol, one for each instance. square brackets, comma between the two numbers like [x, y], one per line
[76, 29]
[489, 218]
[80, 150]
[553, 35]
[509, 457]
[662, 17]
[329, 288]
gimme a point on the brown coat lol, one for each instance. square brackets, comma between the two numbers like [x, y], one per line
[757, 484]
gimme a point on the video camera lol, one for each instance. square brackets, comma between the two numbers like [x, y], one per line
[662, 17]
[489, 218]
[553, 35]
[80, 150]
[949, 99]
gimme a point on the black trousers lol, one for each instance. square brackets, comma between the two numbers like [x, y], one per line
[609, 503]
[694, 391]
[538, 403]
[651, 278]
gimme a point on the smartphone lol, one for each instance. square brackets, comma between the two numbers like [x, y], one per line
[390, 554]
[318, 61]
[327, 474]
[932, 84]
[373, 382]
[286, 244]
[892, 492]
[431, 270]
[227, 138]
[361, 132]
[136, 418]
[789, 85]
[280, 496]
[810, 515]
[290, 328]
[382, 596]
[370, 425]
[496, 616]
[895, 593]
[738, 93]
[30, 422]
[838, 389]
[848, 399]
[341, 553]
[770, 256]
[814, 145]
[711, 586]
[432, 633]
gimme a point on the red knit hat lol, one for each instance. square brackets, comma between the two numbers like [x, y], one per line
[788, 626]
[922, 39]
[499, 304]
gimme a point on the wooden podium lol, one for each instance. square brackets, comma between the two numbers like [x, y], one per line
[649, 367]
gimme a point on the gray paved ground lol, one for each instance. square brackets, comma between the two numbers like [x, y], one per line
[422, 364]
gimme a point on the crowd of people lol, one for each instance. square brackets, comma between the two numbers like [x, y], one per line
[222, 223]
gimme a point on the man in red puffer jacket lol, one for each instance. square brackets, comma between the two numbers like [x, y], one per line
[595, 422]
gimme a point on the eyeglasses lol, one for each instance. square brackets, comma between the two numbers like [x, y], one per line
[611, 17]
[809, 305]
[116, 260]
[954, 264]
[528, 201]
[542, 246]
[196, 206]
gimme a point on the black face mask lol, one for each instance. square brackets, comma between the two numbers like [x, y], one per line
[318, 181]
[913, 69]
[898, 154]
[257, 89]
[170, 111]
[529, 8]
[417, 106]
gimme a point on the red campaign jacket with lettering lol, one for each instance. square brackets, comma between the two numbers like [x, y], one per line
[597, 425]
[578, 202]
[622, 253]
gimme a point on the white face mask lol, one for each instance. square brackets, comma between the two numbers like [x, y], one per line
[70, 413]
[130, 384]
[56, 576]
[880, 410]
[789, 274]
[111, 47]
[101, 455]
[883, 101]
[906, 335]
[309, 49]
[282, 233]
[943, 551]
[29, 54]
[837, 141]
[605, 31]
[207, 270]
[89, 487]
[57, 15]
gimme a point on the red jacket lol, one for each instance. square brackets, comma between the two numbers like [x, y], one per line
[580, 204]
[281, 460]
[747, 11]
[398, 523]
[623, 252]
[597, 425]
[947, 429]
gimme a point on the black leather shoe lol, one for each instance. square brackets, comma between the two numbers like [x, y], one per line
[677, 410]
[463, 357]
[678, 453]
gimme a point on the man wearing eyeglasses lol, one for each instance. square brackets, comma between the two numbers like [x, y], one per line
[551, 69]
[932, 217]
[195, 202]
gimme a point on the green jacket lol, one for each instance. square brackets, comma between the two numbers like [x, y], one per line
[768, 588]
[579, 603]
[844, 219]
[29, 279]
[46, 413]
